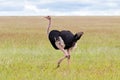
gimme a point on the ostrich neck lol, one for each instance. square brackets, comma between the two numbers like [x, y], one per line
[49, 25]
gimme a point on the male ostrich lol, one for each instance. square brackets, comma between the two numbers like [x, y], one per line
[62, 40]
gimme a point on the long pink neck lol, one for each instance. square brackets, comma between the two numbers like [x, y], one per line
[49, 25]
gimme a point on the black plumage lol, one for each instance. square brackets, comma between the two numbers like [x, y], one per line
[68, 37]
[54, 34]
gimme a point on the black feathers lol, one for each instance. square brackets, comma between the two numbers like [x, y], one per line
[68, 38]
[53, 35]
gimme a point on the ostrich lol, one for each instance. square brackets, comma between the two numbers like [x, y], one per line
[62, 40]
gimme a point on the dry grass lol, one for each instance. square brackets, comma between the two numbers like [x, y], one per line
[26, 54]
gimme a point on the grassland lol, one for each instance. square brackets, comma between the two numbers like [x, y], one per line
[26, 54]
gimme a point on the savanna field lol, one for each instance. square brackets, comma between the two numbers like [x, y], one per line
[26, 53]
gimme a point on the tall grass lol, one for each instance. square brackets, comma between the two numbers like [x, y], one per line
[26, 54]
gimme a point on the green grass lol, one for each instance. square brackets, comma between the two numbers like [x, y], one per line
[26, 54]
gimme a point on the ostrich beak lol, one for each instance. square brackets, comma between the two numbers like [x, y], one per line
[48, 17]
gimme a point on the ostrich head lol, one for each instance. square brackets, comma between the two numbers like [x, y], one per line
[48, 17]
